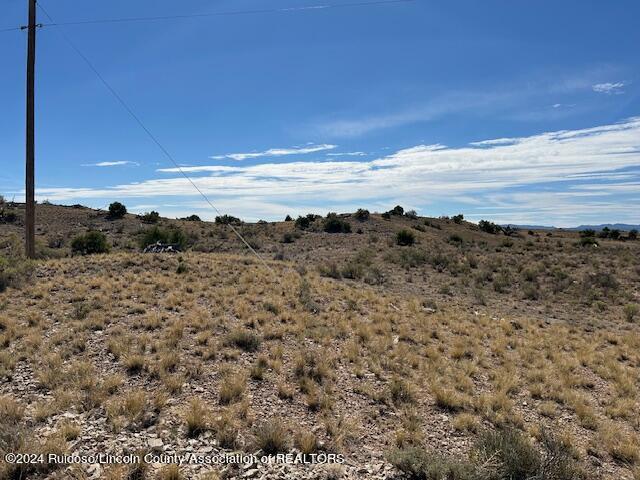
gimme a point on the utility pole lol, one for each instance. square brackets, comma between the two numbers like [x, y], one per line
[30, 207]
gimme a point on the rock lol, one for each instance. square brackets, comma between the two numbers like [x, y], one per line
[155, 443]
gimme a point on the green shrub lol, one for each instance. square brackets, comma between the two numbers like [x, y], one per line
[334, 224]
[588, 242]
[228, 220]
[90, 243]
[116, 211]
[361, 215]
[150, 217]
[302, 223]
[587, 233]
[172, 235]
[397, 210]
[405, 238]
[288, 218]
[458, 218]
[633, 234]
[489, 227]
[192, 218]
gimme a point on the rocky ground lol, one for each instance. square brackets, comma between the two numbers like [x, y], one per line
[343, 344]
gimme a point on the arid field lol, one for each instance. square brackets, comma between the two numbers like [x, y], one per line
[459, 354]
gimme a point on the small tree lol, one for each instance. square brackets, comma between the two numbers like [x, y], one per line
[614, 234]
[288, 218]
[405, 238]
[589, 232]
[117, 210]
[192, 218]
[604, 233]
[458, 218]
[633, 234]
[412, 214]
[90, 243]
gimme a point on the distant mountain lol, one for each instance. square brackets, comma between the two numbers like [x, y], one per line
[625, 227]
[612, 226]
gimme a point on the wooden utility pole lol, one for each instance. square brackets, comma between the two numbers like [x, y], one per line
[30, 207]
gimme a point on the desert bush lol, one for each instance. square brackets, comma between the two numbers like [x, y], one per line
[150, 217]
[227, 220]
[90, 243]
[361, 215]
[587, 233]
[116, 210]
[397, 210]
[14, 271]
[489, 227]
[192, 218]
[588, 242]
[334, 224]
[288, 237]
[412, 214]
[172, 235]
[420, 464]
[631, 311]
[633, 234]
[514, 457]
[458, 218]
[288, 218]
[405, 238]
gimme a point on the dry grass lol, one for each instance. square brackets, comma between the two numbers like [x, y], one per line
[220, 348]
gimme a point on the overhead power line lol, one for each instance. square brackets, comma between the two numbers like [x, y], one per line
[153, 138]
[228, 13]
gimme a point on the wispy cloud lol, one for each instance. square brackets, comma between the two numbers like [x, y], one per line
[609, 88]
[277, 152]
[513, 179]
[118, 163]
[347, 154]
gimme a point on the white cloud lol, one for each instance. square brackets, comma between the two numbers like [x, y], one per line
[426, 174]
[111, 164]
[609, 88]
[277, 152]
[347, 154]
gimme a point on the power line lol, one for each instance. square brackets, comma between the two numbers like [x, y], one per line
[153, 137]
[10, 29]
[228, 13]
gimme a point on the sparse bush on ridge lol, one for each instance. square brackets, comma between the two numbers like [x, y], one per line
[192, 218]
[361, 215]
[90, 243]
[150, 217]
[227, 220]
[489, 227]
[458, 218]
[334, 224]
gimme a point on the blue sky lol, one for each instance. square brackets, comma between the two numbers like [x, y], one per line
[521, 112]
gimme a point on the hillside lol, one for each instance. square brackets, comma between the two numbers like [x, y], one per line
[344, 343]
